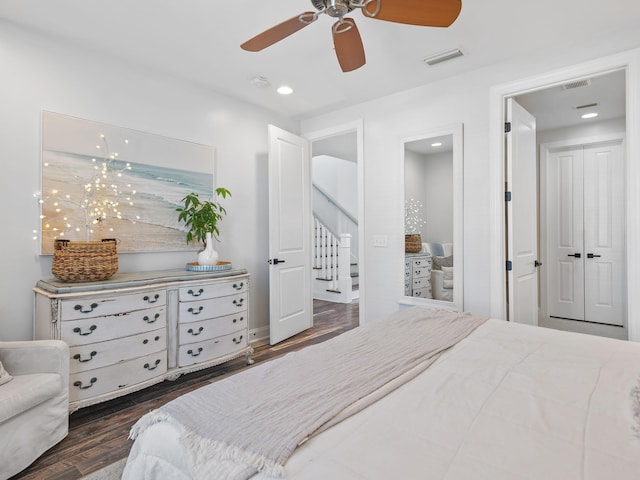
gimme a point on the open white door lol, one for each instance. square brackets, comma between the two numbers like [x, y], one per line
[522, 218]
[291, 305]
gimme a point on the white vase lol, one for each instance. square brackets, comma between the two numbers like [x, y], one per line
[208, 256]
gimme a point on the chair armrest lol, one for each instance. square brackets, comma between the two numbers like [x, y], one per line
[37, 356]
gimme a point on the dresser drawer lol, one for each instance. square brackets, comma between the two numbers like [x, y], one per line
[73, 309]
[421, 272]
[420, 262]
[215, 327]
[209, 349]
[213, 307]
[421, 292]
[115, 377]
[100, 329]
[101, 354]
[212, 290]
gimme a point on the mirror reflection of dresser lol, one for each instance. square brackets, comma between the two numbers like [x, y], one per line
[417, 275]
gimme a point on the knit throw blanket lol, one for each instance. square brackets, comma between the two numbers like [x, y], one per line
[253, 421]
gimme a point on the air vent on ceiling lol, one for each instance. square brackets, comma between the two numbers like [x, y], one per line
[443, 57]
[576, 84]
[588, 105]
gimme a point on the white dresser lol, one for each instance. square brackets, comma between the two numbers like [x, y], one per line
[417, 275]
[137, 329]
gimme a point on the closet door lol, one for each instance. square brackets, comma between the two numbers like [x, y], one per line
[565, 262]
[604, 215]
[585, 234]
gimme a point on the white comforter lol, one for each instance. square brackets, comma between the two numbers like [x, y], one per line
[508, 402]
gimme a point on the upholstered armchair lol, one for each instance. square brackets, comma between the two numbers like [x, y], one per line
[34, 404]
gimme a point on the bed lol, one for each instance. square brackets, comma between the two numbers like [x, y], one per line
[505, 401]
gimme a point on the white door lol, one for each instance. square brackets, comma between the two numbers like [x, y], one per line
[604, 234]
[522, 220]
[586, 234]
[291, 305]
[565, 235]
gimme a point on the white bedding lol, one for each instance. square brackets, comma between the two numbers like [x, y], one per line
[508, 402]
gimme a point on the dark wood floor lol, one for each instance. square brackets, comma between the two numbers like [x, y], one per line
[98, 434]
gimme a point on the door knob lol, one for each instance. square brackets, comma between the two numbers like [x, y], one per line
[275, 261]
[577, 255]
[537, 264]
[592, 255]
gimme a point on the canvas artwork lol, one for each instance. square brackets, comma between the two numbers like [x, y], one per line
[103, 181]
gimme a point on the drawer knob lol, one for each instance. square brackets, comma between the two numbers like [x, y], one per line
[238, 286]
[238, 341]
[194, 294]
[148, 299]
[239, 303]
[235, 320]
[192, 311]
[81, 309]
[195, 333]
[149, 367]
[78, 357]
[149, 320]
[84, 387]
[78, 330]
[190, 352]
[146, 340]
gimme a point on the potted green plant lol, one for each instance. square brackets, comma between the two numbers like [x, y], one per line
[201, 220]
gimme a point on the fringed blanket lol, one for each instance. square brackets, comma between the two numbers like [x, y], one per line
[253, 421]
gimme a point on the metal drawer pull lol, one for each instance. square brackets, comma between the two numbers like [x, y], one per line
[238, 341]
[78, 357]
[82, 310]
[146, 340]
[193, 294]
[194, 333]
[149, 367]
[239, 303]
[148, 320]
[147, 299]
[78, 330]
[238, 286]
[190, 352]
[193, 312]
[81, 387]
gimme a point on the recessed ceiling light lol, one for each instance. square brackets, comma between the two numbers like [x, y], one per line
[285, 90]
[590, 115]
[436, 144]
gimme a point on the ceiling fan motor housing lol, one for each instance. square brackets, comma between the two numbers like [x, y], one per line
[333, 8]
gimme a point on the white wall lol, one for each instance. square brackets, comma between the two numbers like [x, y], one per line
[466, 99]
[438, 185]
[414, 185]
[41, 74]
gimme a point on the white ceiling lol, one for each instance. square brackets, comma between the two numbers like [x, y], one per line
[198, 40]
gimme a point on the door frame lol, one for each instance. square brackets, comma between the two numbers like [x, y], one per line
[357, 126]
[629, 62]
[546, 149]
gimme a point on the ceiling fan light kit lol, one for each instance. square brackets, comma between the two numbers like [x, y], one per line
[346, 37]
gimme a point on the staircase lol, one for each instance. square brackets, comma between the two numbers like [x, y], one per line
[335, 269]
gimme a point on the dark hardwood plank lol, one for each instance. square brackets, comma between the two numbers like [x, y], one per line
[98, 435]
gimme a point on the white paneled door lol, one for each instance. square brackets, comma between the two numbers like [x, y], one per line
[291, 305]
[522, 218]
[586, 259]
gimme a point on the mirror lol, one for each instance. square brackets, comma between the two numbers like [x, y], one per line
[433, 217]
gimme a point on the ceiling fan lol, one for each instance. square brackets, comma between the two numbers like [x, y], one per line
[346, 38]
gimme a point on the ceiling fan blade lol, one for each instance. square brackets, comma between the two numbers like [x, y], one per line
[348, 45]
[278, 32]
[427, 13]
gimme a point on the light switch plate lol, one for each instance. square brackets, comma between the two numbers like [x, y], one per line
[380, 241]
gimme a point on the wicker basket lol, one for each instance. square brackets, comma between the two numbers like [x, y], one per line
[412, 243]
[84, 261]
